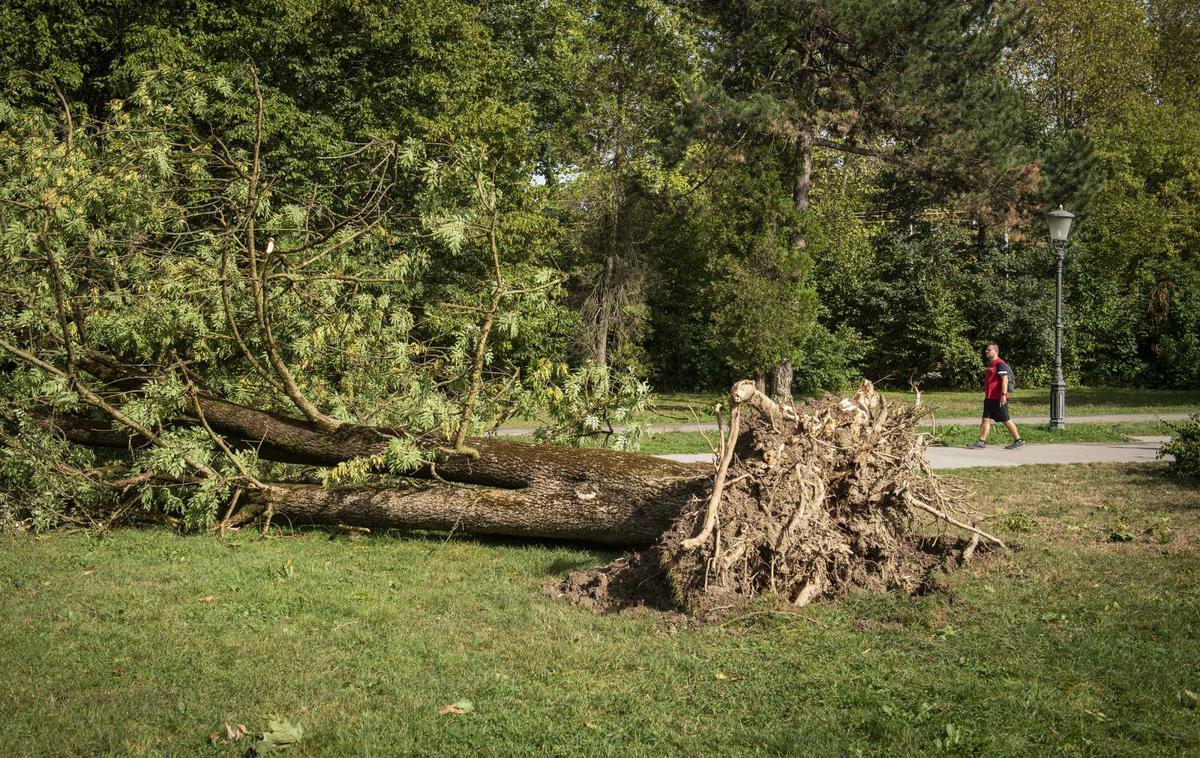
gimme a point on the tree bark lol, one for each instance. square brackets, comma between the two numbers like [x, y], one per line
[781, 382]
[634, 513]
[600, 350]
[529, 490]
[514, 488]
[800, 192]
[502, 487]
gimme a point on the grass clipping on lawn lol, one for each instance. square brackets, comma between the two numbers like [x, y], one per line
[808, 503]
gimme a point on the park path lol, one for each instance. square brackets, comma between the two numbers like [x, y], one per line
[1104, 418]
[1141, 450]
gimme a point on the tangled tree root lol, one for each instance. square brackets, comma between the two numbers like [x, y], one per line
[807, 504]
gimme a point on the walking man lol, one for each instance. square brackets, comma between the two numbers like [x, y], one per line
[995, 401]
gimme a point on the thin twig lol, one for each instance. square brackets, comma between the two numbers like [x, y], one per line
[951, 520]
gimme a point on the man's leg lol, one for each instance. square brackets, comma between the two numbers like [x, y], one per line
[1012, 429]
[985, 428]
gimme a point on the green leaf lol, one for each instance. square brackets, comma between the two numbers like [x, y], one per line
[280, 735]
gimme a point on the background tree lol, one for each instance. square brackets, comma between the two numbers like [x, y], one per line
[863, 79]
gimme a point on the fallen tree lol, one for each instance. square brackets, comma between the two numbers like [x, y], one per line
[226, 348]
[491, 486]
[804, 503]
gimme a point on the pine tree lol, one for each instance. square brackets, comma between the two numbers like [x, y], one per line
[915, 84]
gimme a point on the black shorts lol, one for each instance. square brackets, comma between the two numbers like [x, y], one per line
[996, 410]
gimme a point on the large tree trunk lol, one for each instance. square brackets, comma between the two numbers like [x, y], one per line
[514, 488]
[499, 463]
[501, 487]
[632, 512]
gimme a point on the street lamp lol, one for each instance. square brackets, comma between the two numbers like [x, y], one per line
[1060, 228]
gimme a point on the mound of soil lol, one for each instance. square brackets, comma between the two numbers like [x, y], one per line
[812, 502]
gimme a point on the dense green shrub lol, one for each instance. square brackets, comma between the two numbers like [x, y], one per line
[1185, 446]
[830, 360]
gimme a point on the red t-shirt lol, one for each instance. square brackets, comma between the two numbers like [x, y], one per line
[991, 380]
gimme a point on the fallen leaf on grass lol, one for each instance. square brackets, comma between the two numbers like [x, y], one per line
[1188, 699]
[280, 735]
[90, 570]
[208, 598]
[118, 671]
[458, 708]
[730, 677]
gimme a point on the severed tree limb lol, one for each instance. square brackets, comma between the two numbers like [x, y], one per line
[59, 297]
[231, 322]
[324, 422]
[224, 523]
[464, 424]
[217, 439]
[258, 284]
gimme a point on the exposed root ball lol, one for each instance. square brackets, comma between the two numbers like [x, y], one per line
[834, 496]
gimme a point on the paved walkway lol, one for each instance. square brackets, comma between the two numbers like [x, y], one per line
[1143, 450]
[1106, 418]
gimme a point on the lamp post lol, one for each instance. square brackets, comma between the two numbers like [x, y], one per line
[1060, 228]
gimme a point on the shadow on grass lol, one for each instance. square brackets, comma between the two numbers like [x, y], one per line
[563, 565]
[1158, 476]
[589, 554]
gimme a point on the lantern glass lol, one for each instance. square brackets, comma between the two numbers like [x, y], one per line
[1060, 224]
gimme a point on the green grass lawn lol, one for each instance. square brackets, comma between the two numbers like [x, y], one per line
[144, 642]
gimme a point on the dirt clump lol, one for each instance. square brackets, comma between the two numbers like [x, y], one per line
[807, 504]
[634, 580]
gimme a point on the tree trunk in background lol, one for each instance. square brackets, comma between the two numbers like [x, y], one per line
[781, 382]
[607, 294]
[800, 191]
[600, 354]
[782, 373]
